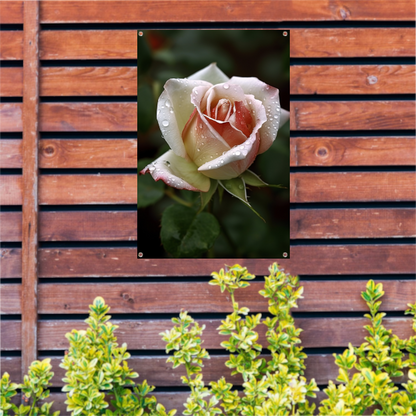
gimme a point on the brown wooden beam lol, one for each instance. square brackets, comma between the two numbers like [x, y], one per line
[30, 182]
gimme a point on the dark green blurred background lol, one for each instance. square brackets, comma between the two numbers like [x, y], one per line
[165, 54]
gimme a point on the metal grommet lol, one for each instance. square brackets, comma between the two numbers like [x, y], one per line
[285, 254]
[140, 254]
[140, 33]
[285, 33]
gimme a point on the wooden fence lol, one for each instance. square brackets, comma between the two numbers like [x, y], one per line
[352, 178]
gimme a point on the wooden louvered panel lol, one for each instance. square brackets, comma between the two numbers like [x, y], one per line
[198, 297]
[145, 334]
[352, 151]
[352, 79]
[352, 223]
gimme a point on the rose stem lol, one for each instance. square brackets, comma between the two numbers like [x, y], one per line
[169, 192]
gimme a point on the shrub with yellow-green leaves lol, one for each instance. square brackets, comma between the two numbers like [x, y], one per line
[376, 361]
[34, 389]
[276, 387]
[97, 368]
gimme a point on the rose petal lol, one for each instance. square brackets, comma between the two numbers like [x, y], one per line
[238, 159]
[211, 74]
[174, 108]
[284, 117]
[270, 99]
[178, 173]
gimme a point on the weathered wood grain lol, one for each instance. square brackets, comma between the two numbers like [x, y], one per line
[11, 262]
[11, 190]
[90, 226]
[11, 82]
[352, 151]
[233, 10]
[30, 181]
[88, 189]
[357, 42]
[11, 153]
[199, 297]
[88, 117]
[352, 79]
[88, 44]
[156, 371]
[11, 117]
[352, 223]
[87, 81]
[59, 226]
[74, 189]
[352, 115]
[352, 186]
[144, 334]
[11, 48]
[11, 12]
[11, 299]
[85, 153]
[316, 260]
[11, 336]
[10, 226]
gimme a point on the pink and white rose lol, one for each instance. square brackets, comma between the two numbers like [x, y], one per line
[215, 127]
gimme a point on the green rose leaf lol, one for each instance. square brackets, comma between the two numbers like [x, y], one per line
[237, 187]
[250, 178]
[206, 196]
[145, 108]
[185, 233]
[148, 191]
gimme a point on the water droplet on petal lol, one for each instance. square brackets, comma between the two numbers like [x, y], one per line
[202, 143]
[167, 103]
[198, 150]
[226, 86]
[165, 123]
[276, 116]
[238, 153]
[167, 162]
[151, 169]
[196, 92]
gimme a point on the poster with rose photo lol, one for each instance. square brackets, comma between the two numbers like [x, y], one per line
[213, 144]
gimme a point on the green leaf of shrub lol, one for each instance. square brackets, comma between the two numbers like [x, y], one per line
[185, 233]
[148, 190]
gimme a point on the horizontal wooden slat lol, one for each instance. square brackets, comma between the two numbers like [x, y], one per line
[88, 44]
[352, 186]
[74, 189]
[320, 259]
[59, 226]
[310, 260]
[233, 10]
[11, 117]
[352, 115]
[144, 334]
[320, 296]
[357, 42]
[157, 372]
[11, 12]
[11, 262]
[84, 153]
[352, 79]
[352, 223]
[74, 81]
[11, 190]
[11, 299]
[74, 153]
[122, 44]
[87, 189]
[90, 226]
[12, 366]
[352, 151]
[11, 335]
[11, 47]
[11, 82]
[11, 226]
[10, 153]
[88, 117]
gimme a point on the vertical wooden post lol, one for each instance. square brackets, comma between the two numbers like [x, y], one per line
[30, 182]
